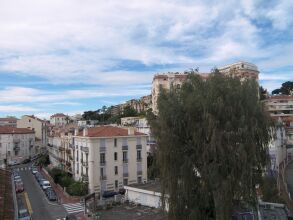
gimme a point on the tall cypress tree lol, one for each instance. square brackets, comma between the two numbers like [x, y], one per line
[212, 140]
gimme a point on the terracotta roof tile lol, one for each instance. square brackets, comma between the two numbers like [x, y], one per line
[58, 115]
[12, 130]
[281, 97]
[108, 131]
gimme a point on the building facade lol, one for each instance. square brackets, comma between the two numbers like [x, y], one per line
[10, 121]
[16, 144]
[58, 119]
[279, 106]
[108, 157]
[39, 126]
[243, 70]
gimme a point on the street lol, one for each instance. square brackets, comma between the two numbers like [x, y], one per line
[35, 199]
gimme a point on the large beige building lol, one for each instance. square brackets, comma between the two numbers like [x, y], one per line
[279, 106]
[110, 157]
[16, 144]
[243, 70]
[38, 126]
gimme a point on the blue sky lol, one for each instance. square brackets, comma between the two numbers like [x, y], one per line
[72, 55]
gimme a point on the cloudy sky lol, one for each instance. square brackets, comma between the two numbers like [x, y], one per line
[75, 55]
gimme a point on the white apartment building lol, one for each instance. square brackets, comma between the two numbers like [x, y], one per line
[16, 144]
[143, 127]
[39, 126]
[110, 157]
[279, 106]
[243, 70]
[10, 121]
[129, 121]
[58, 119]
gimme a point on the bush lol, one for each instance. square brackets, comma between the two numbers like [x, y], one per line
[66, 181]
[57, 174]
[78, 189]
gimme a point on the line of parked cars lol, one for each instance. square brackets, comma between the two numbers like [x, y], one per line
[22, 212]
[18, 182]
[44, 184]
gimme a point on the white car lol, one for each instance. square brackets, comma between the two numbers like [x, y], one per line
[45, 184]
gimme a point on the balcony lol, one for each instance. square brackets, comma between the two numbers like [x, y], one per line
[138, 147]
[125, 160]
[139, 172]
[125, 175]
[102, 163]
[125, 147]
[68, 164]
[61, 149]
[68, 151]
[85, 150]
[103, 177]
[84, 163]
[85, 177]
[139, 159]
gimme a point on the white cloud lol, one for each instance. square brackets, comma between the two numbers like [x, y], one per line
[17, 108]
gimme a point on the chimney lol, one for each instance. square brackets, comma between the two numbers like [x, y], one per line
[131, 131]
[85, 132]
[75, 131]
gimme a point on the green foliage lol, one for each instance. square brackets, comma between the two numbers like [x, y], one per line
[78, 189]
[269, 190]
[152, 165]
[66, 181]
[57, 174]
[43, 160]
[286, 89]
[128, 111]
[212, 138]
[262, 93]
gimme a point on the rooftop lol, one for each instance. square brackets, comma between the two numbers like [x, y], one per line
[153, 186]
[12, 130]
[108, 131]
[280, 97]
[58, 115]
[9, 119]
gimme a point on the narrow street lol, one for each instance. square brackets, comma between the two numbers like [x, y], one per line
[35, 199]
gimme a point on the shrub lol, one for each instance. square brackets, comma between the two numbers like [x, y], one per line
[66, 181]
[78, 189]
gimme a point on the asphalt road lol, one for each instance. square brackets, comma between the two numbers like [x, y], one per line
[41, 207]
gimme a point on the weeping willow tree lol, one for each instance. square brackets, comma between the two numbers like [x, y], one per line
[212, 136]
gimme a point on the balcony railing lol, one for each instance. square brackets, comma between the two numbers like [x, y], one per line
[125, 147]
[61, 149]
[138, 146]
[139, 172]
[102, 163]
[139, 159]
[125, 175]
[85, 149]
[68, 164]
[103, 177]
[125, 160]
[16, 140]
[68, 151]
[84, 163]
[85, 177]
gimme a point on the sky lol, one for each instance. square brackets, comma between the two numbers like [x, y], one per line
[71, 56]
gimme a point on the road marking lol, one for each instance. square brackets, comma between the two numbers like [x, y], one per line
[29, 206]
[73, 208]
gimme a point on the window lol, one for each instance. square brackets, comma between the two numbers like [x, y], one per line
[116, 184]
[139, 179]
[125, 156]
[102, 158]
[125, 182]
[116, 170]
[102, 171]
[138, 155]
[29, 120]
[115, 142]
[115, 156]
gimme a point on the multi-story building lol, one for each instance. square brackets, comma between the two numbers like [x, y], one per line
[59, 119]
[110, 157]
[40, 127]
[9, 121]
[129, 121]
[279, 106]
[243, 70]
[16, 144]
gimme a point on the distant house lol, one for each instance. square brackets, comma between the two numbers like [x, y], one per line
[58, 119]
[9, 121]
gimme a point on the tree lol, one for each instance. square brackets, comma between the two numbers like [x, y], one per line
[286, 89]
[128, 111]
[263, 93]
[212, 137]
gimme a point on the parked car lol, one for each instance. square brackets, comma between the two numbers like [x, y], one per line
[45, 184]
[19, 188]
[18, 181]
[51, 195]
[23, 214]
[39, 177]
[16, 177]
[71, 217]
[34, 170]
